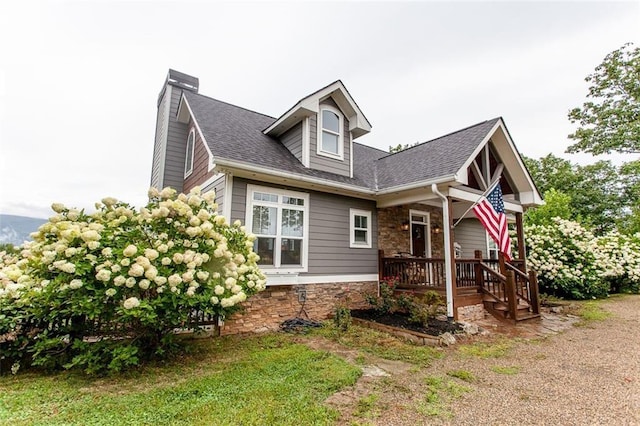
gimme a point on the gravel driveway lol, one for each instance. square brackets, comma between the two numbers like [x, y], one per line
[585, 375]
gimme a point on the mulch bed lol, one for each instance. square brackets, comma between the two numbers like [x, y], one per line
[435, 327]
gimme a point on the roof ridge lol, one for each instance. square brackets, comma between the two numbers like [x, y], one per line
[370, 147]
[233, 105]
[439, 137]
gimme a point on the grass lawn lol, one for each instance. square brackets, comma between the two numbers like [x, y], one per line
[230, 381]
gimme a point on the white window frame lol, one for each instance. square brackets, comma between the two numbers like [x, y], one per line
[340, 134]
[492, 247]
[279, 205]
[352, 229]
[188, 168]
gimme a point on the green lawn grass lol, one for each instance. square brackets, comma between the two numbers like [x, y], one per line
[250, 381]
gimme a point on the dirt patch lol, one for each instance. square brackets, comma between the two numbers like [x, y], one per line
[546, 375]
[434, 327]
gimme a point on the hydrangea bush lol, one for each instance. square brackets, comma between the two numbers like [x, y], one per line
[107, 289]
[571, 262]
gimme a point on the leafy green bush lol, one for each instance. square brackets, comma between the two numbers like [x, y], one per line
[103, 290]
[425, 307]
[386, 302]
[572, 263]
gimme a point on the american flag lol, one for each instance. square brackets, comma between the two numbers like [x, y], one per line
[490, 212]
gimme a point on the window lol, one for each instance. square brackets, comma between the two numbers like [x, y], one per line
[492, 248]
[330, 133]
[188, 158]
[360, 229]
[279, 220]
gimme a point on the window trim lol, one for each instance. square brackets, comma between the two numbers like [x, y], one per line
[278, 267]
[321, 130]
[188, 168]
[352, 228]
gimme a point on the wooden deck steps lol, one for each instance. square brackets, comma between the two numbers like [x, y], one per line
[500, 309]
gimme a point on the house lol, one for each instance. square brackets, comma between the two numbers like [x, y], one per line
[333, 216]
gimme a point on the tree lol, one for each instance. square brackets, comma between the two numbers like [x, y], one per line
[556, 204]
[610, 120]
[551, 172]
[595, 192]
[400, 147]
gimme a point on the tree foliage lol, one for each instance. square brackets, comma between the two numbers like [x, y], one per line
[595, 193]
[556, 205]
[401, 147]
[610, 119]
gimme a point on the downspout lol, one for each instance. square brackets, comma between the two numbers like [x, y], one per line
[447, 252]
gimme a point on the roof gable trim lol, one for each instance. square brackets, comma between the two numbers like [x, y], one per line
[533, 197]
[310, 105]
[183, 114]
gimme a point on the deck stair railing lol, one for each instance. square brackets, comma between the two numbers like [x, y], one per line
[507, 291]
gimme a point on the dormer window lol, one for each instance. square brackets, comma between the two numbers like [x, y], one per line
[330, 134]
[188, 158]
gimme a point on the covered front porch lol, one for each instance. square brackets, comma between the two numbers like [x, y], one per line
[430, 239]
[437, 243]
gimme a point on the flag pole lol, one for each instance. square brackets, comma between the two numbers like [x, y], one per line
[484, 194]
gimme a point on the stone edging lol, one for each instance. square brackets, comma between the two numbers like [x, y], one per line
[413, 336]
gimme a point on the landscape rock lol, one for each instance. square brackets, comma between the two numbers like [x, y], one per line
[373, 371]
[447, 339]
[471, 329]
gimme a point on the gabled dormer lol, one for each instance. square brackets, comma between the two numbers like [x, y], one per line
[319, 130]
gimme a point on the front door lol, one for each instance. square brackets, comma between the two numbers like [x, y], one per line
[418, 239]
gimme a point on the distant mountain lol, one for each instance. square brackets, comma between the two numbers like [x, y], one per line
[16, 229]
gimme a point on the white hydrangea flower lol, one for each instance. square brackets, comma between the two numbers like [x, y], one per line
[136, 270]
[75, 284]
[131, 303]
[130, 250]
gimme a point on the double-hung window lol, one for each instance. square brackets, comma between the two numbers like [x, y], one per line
[279, 220]
[188, 157]
[330, 133]
[360, 228]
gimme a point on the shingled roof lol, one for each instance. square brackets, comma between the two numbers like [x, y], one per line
[236, 134]
[440, 157]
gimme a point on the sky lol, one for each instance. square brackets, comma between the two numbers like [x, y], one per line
[79, 80]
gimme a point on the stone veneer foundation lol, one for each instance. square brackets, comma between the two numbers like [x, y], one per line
[471, 312]
[266, 310]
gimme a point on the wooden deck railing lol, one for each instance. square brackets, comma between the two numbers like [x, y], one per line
[484, 275]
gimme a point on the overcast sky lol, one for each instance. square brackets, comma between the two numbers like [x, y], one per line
[79, 80]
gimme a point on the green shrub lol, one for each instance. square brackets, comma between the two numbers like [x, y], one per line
[425, 307]
[572, 263]
[386, 302]
[342, 317]
[123, 280]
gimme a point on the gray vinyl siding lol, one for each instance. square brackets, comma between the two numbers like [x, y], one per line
[471, 236]
[238, 200]
[176, 145]
[328, 164]
[218, 186]
[329, 251]
[159, 146]
[292, 139]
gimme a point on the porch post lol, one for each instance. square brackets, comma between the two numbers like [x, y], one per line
[450, 249]
[520, 232]
[449, 261]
